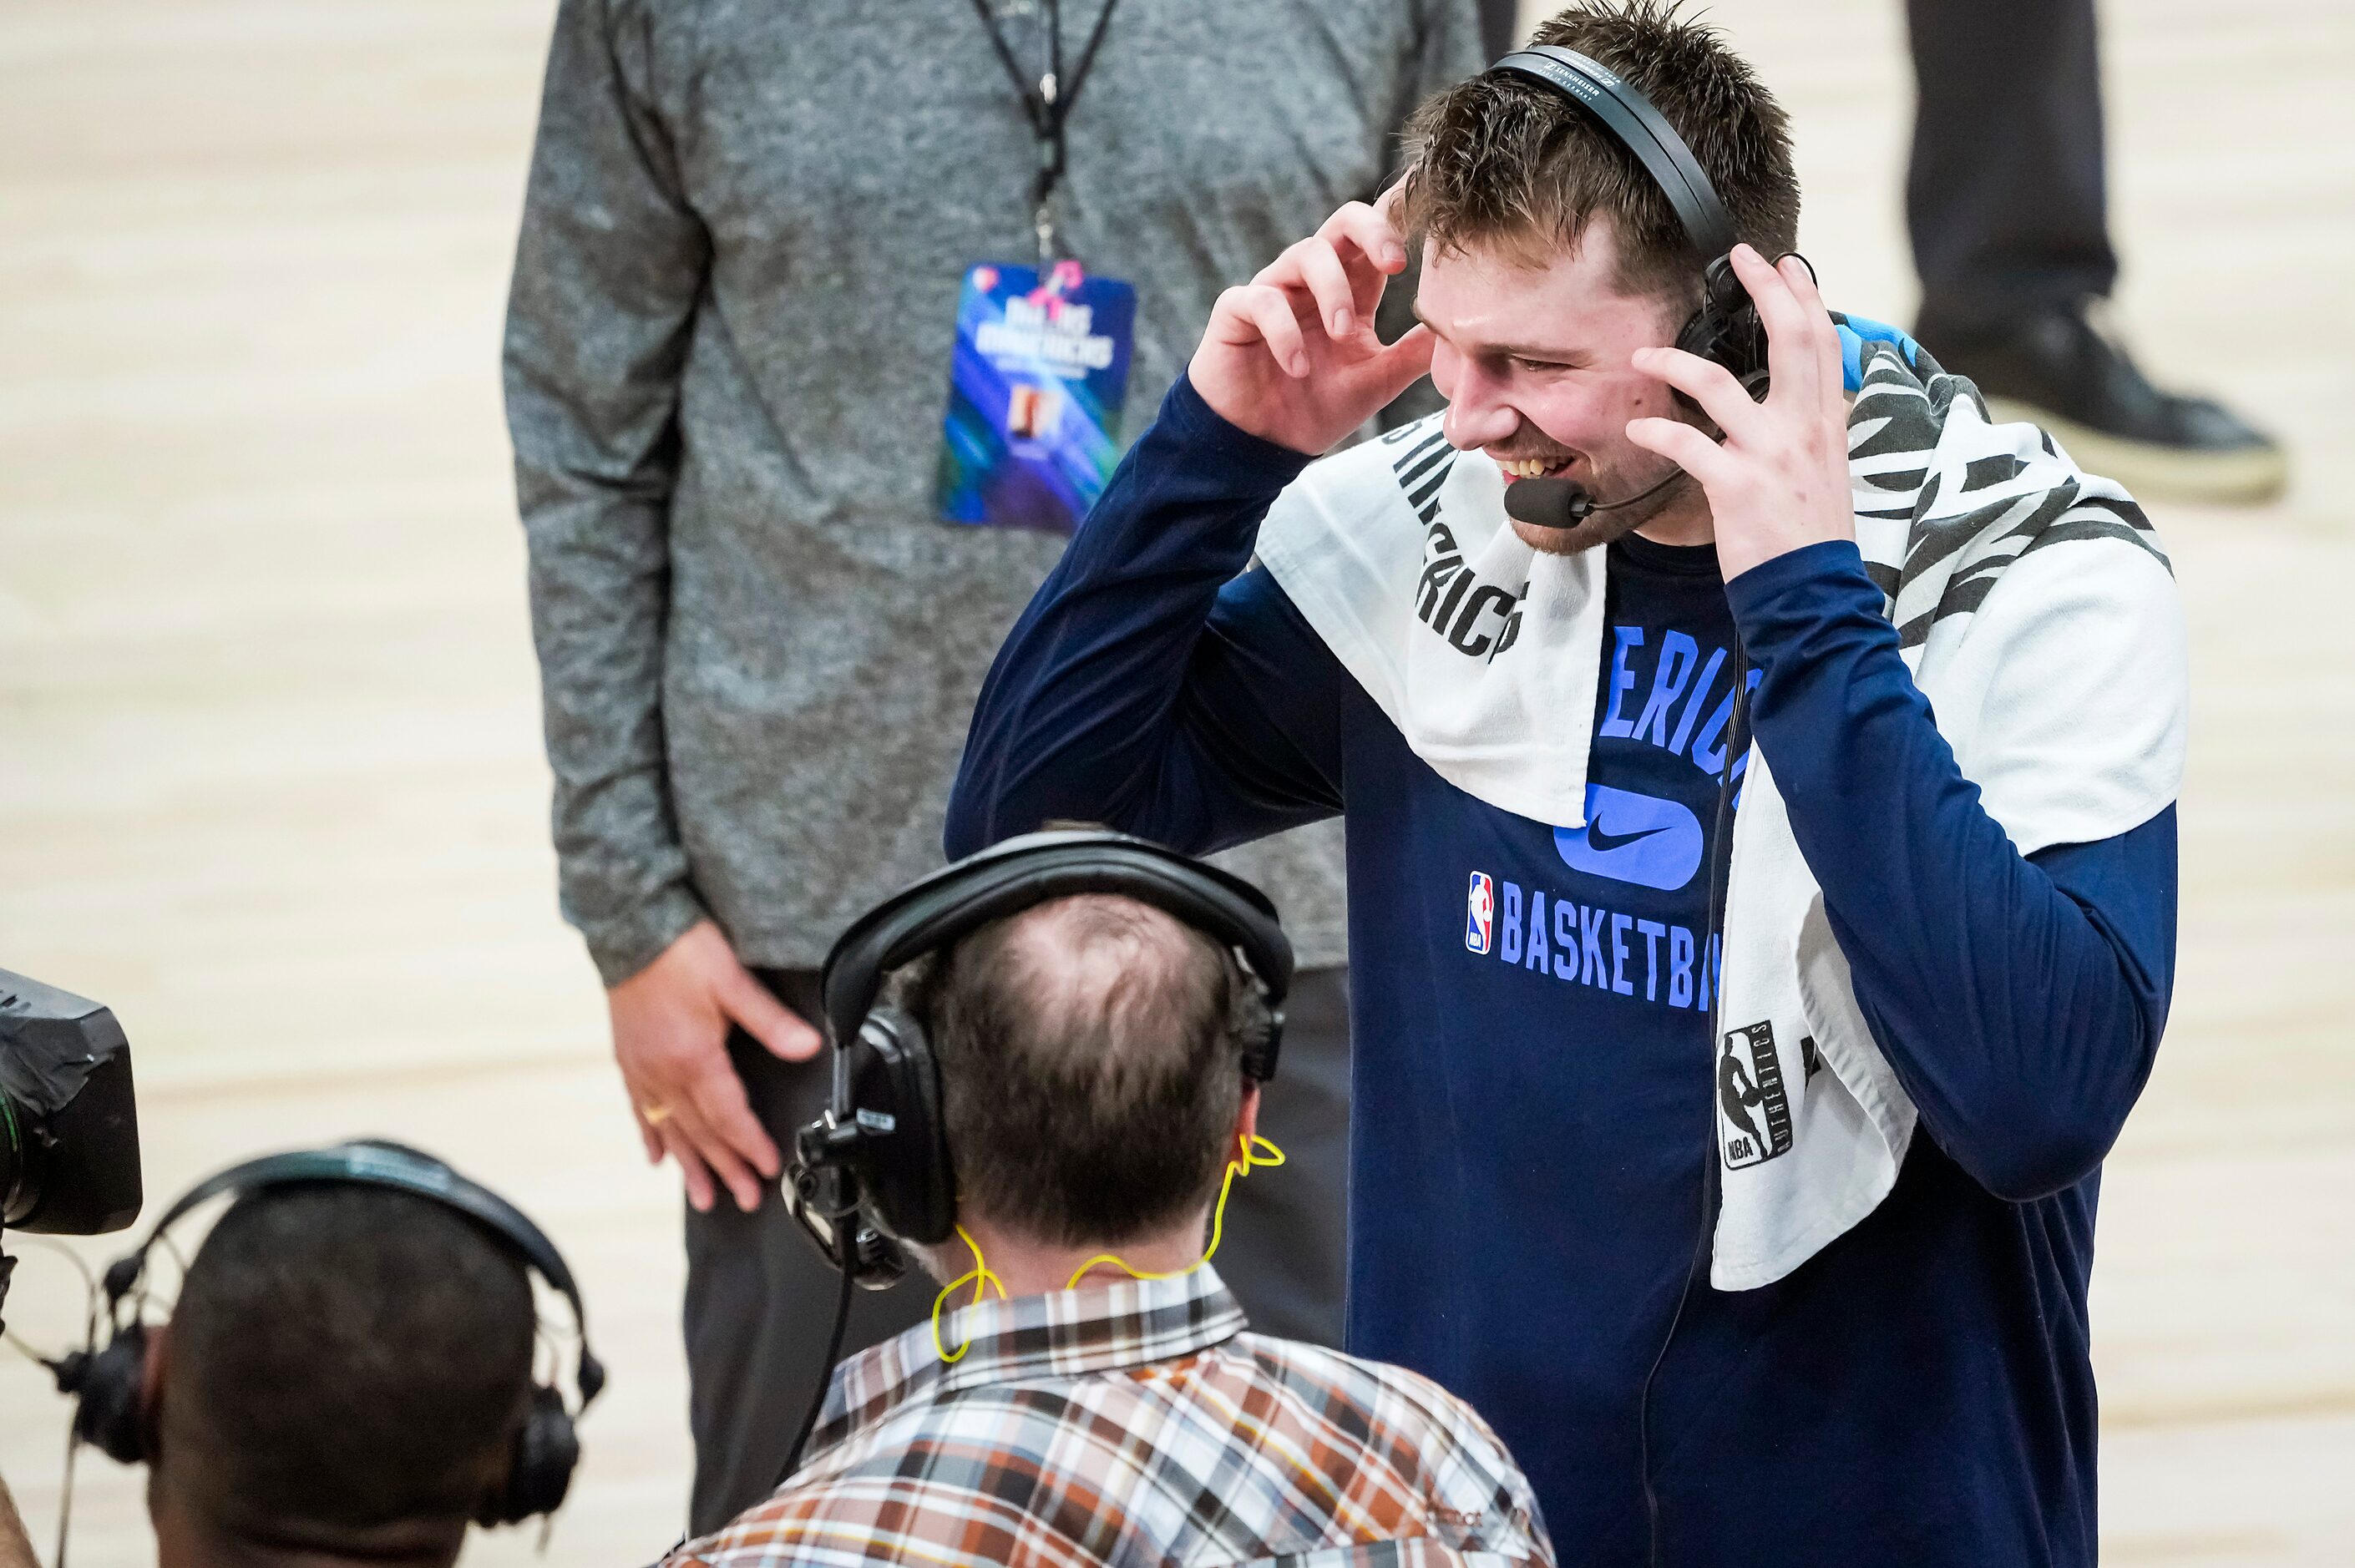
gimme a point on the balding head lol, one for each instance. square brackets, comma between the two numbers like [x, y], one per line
[1091, 1056]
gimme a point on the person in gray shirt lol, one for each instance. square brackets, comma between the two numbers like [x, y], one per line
[727, 358]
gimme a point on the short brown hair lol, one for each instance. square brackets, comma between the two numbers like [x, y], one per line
[1502, 160]
[1091, 1056]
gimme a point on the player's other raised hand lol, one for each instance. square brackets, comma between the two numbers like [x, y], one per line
[1779, 481]
[1290, 356]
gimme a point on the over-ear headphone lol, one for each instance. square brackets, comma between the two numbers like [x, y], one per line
[106, 1384]
[1725, 330]
[875, 1170]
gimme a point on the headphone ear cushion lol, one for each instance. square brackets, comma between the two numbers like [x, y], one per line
[541, 1471]
[1735, 339]
[895, 1081]
[1263, 1037]
[108, 1413]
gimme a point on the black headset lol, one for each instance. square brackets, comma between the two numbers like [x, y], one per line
[1725, 330]
[107, 1383]
[874, 1170]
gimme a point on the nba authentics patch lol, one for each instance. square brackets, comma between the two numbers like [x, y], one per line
[1754, 1109]
[1035, 392]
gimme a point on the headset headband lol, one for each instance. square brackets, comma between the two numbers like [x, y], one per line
[1022, 872]
[377, 1162]
[1639, 127]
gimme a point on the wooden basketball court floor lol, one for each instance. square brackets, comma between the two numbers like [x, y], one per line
[270, 775]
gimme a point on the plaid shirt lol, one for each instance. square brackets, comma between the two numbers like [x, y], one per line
[1133, 1425]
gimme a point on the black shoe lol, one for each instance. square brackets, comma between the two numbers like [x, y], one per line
[2058, 371]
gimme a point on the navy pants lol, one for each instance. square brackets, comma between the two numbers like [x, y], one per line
[2004, 196]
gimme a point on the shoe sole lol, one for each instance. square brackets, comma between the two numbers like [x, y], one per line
[2154, 472]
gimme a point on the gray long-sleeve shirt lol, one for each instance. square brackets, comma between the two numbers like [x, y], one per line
[726, 361]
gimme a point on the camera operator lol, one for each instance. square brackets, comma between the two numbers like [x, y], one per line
[1091, 1065]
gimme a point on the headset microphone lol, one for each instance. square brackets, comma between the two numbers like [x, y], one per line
[1565, 502]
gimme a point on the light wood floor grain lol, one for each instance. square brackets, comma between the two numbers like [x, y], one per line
[270, 777]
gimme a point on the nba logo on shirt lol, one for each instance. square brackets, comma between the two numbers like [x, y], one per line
[1479, 913]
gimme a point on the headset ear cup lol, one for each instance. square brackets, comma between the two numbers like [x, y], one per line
[1263, 1042]
[1742, 349]
[896, 1089]
[108, 1415]
[1734, 339]
[938, 1180]
[541, 1471]
[1698, 333]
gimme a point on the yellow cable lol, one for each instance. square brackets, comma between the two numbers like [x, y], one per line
[981, 1276]
[1247, 1162]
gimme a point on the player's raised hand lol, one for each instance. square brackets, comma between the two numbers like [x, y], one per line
[1779, 479]
[1290, 356]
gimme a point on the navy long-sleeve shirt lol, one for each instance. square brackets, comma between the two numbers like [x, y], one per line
[1532, 1146]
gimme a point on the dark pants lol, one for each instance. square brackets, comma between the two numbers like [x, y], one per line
[2005, 194]
[760, 1299]
[1500, 26]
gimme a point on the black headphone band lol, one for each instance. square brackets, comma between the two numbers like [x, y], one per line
[1638, 126]
[376, 1162]
[1022, 872]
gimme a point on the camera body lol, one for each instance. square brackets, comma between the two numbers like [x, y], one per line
[69, 1126]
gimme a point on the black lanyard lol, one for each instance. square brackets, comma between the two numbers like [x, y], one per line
[1048, 104]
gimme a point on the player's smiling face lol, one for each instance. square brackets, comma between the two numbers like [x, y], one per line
[1532, 358]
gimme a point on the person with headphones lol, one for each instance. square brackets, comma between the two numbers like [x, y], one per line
[1051, 1114]
[1759, 771]
[347, 1375]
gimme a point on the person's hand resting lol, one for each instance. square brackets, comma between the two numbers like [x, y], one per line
[1292, 357]
[670, 1036]
[1778, 482]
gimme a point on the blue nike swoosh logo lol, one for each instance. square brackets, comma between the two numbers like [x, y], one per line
[1658, 844]
[1604, 843]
